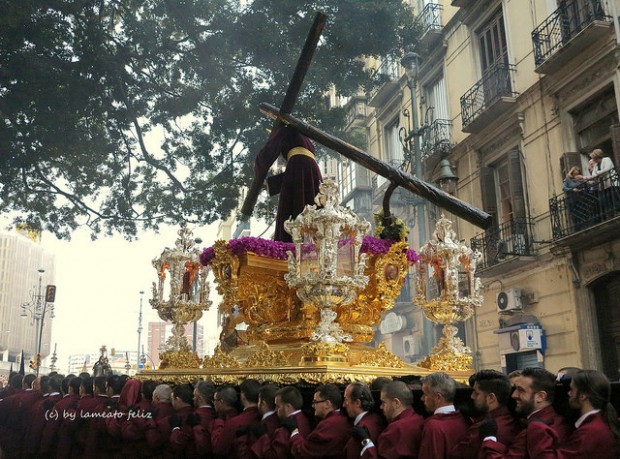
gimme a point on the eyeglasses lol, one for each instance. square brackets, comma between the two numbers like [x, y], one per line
[314, 402]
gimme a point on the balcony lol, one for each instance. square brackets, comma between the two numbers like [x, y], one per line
[569, 30]
[504, 247]
[489, 98]
[430, 17]
[586, 217]
[355, 112]
[436, 140]
[385, 82]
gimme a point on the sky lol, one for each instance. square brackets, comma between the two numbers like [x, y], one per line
[98, 289]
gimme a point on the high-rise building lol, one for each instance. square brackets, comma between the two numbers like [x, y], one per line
[160, 332]
[26, 269]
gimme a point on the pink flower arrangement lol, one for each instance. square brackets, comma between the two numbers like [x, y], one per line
[277, 250]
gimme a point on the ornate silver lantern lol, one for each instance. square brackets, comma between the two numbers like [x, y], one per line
[327, 269]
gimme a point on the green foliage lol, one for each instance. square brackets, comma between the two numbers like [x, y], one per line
[121, 114]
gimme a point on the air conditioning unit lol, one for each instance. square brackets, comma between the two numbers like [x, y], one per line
[412, 345]
[509, 300]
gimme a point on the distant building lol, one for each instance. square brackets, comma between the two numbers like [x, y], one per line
[21, 256]
[117, 359]
[159, 332]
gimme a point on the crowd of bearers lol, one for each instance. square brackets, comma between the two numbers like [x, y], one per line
[116, 417]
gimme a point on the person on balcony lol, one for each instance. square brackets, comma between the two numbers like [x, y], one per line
[604, 174]
[581, 203]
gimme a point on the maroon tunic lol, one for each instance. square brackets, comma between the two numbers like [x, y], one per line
[507, 430]
[195, 441]
[518, 450]
[278, 446]
[41, 412]
[401, 438]
[51, 438]
[374, 424]
[299, 183]
[593, 438]
[441, 432]
[327, 440]
[271, 423]
[225, 440]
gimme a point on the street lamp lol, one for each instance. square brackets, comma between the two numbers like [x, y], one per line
[36, 309]
[411, 63]
[139, 326]
[446, 180]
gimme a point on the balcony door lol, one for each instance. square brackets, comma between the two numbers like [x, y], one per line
[607, 297]
[494, 58]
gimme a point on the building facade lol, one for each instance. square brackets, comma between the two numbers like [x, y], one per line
[513, 94]
[21, 300]
[160, 332]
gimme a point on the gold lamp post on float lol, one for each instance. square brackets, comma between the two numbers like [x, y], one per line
[188, 297]
[448, 292]
[327, 269]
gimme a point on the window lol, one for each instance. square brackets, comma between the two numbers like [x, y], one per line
[347, 178]
[393, 148]
[502, 189]
[492, 42]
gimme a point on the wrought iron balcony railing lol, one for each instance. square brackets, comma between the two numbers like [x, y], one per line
[511, 239]
[495, 84]
[430, 16]
[571, 17]
[436, 141]
[387, 71]
[593, 202]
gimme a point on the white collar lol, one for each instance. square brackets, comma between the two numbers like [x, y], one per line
[294, 413]
[267, 414]
[583, 417]
[445, 409]
[359, 417]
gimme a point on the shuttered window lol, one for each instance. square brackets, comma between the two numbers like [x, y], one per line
[502, 189]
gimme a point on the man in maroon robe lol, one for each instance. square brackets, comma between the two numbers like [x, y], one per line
[299, 183]
[50, 440]
[331, 434]
[446, 427]
[197, 442]
[590, 392]
[267, 407]
[401, 438]
[491, 393]
[288, 403]
[15, 408]
[41, 411]
[359, 405]
[230, 437]
[534, 392]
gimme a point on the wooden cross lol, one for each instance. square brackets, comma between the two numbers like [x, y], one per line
[395, 176]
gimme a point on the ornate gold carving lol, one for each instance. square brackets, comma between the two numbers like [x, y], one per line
[323, 352]
[220, 360]
[380, 357]
[265, 357]
[182, 358]
[387, 274]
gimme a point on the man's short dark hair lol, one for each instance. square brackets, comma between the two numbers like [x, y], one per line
[493, 382]
[542, 380]
[205, 389]
[361, 392]
[183, 391]
[291, 395]
[74, 384]
[267, 394]
[249, 388]
[332, 393]
[147, 389]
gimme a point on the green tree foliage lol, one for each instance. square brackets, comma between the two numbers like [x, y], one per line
[121, 114]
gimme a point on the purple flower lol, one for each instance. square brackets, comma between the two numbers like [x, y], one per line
[277, 250]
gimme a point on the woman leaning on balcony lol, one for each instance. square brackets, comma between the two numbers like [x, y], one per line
[604, 174]
[578, 198]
